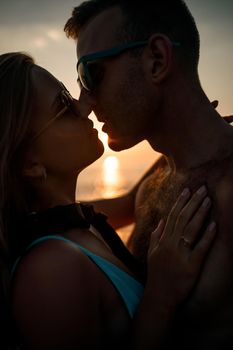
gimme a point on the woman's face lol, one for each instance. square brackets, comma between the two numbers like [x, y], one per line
[63, 138]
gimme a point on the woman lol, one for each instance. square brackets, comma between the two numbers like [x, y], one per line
[73, 284]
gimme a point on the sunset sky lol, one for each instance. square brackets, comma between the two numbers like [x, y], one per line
[37, 28]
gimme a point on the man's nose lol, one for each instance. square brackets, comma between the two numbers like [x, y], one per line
[86, 103]
[87, 96]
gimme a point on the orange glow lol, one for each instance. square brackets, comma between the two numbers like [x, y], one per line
[112, 179]
[111, 170]
[104, 138]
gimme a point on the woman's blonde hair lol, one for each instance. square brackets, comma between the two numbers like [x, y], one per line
[15, 114]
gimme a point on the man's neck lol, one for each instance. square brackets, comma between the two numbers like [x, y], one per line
[191, 133]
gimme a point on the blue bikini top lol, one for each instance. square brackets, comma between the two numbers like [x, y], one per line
[54, 222]
[129, 288]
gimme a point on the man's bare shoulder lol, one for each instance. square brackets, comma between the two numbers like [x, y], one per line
[224, 202]
[220, 185]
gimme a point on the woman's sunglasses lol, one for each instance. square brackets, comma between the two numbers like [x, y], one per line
[67, 102]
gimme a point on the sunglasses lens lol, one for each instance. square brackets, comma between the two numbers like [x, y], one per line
[90, 75]
[69, 102]
[96, 72]
[83, 77]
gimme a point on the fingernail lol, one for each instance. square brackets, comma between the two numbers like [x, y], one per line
[185, 192]
[206, 202]
[212, 226]
[201, 190]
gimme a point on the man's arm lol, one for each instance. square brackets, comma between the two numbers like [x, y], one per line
[120, 210]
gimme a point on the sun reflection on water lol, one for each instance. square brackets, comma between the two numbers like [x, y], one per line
[112, 180]
[111, 170]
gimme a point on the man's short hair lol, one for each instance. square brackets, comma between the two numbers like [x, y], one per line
[143, 18]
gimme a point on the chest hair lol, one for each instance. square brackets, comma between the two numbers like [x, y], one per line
[159, 193]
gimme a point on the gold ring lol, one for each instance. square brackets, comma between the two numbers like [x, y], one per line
[186, 243]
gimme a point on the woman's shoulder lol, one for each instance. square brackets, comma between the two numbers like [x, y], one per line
[53, 265]
[54, 287]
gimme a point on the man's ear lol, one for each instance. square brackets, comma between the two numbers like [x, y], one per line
[160, 52]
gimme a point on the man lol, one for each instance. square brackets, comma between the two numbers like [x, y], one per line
[139, 68]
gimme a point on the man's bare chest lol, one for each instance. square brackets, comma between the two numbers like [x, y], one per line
[211, 301]
[159, 193]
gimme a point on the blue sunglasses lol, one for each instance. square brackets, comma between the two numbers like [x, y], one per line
[89, 76]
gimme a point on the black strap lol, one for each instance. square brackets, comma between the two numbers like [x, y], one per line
[99, 221]
[62, 218]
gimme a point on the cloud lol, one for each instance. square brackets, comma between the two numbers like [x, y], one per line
[55, 34]
[46, 36]
[40, 43]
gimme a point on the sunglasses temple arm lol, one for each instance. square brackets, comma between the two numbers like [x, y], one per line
[48, 124]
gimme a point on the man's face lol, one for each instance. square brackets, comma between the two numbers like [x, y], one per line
[119, 97]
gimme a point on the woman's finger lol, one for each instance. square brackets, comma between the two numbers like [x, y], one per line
[193, 228]
[175, 211]
[189, 210]
[215, 103]
[228, 119]
[156, 236]
[203, 245]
